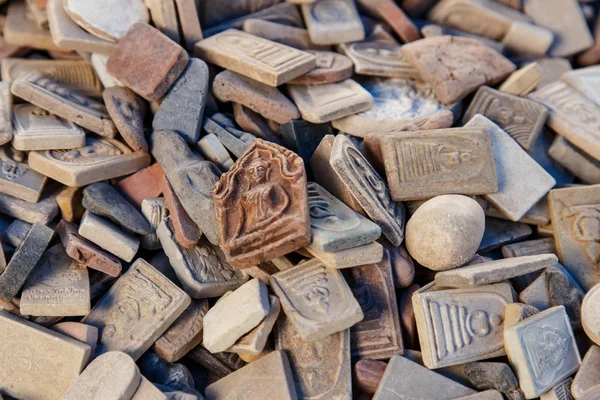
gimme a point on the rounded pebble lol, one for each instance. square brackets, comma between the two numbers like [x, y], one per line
[445, 232]
[590, 314]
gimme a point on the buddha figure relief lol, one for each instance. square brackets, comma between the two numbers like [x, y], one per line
[262, 205]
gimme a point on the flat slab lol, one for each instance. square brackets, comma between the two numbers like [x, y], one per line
[147, 61]
[41, 212]
[234, 140]
[331, 67]
[333, 22]
[479, 313]
[456, 66]
[263, 60]
[575, 160]
[201, 269]
[330, 101]
[336, 310]
[584, 80]
[17, 179]
[529, 248]
[60, 100]
[269, 376]
[69, 36]
[157, 299]
[127, 111]
[521, 118]
[112, 375]
[521, 180]
[334, 225]
[22, 31]
[527, 344]
[325, 175]
[587, 375]
[78, 76]
[573, 212]
[378, 336]
[108, 236]
[322, 371]
[100, 159]
[144, 184]
[523, 81]
[403, 377]
[37, 129]
[184, 334]
[58, 287]
[235, 315]
[191, 178]
[86, 252]
[113, 22]
[182, 108]
[577, 128]
[258, 97]
[253, 342]
[494, 271]
[104, 200]
[566, 20]
[55, 360]
[361, 255]
[6, 129]
[425, 164]
[154, 211]
[368, 188]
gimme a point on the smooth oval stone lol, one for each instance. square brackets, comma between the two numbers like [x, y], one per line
[445, 232]
[104, 200]
[590, 314]
[113, 376]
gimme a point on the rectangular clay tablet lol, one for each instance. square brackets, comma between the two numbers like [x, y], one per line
[574, 213]
[406, 379]
[424, 164]
[260, 59]
[521, 180]
[494, 271]
[528, 344]
[59, 100]
[58, 287]
[378, 336]
[137, 310]
[332, 361]
[451, 313]
[572, 115]
[37, 363]
[315, 320]
[522, 119]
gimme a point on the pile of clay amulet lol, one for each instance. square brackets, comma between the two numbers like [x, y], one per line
[301, 199]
